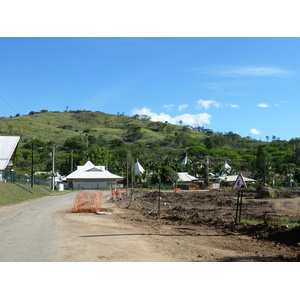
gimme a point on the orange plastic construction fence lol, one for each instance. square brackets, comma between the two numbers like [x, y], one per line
[117, 193]
[195, 188]
[88, 202]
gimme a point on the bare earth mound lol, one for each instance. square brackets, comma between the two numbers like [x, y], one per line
[263, 220]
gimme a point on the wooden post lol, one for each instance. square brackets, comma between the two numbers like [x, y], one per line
[237, 208]
[239, 186]
[159, 197]
[241, 203]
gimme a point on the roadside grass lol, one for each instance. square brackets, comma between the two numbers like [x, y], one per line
[251, 221]
[11, 193]
[287, 222]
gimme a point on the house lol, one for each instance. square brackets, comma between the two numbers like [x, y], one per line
[8, 148]
[232, 178]
[185, 177]
[91, 177]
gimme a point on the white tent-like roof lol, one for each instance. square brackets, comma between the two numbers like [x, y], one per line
[226, 167]
[90, 171]
[185, 160]
[185, 177]
[8, 146]
[138, 169]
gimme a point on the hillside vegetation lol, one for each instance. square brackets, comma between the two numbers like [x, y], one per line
[118, 140]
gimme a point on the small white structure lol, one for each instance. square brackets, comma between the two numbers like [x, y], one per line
[233, 178]
[91, 177]
[226, 168]
[185, 160]
[138, 169]
[8, 148]
[185, 177]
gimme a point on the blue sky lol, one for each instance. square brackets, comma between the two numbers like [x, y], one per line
[250, 86]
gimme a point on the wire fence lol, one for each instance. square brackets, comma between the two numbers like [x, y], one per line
[12, 177]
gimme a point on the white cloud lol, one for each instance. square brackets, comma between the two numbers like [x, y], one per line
[206, 104]
[255, 131]
[253, 72]
[234, 106]
[193, 120]
[168, 106]
[187, 119]
[263, 105]
[182, 107]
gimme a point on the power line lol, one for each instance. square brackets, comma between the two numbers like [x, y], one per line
[8, 104]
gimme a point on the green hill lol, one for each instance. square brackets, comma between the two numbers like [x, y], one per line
[114, 140]
[57, 127]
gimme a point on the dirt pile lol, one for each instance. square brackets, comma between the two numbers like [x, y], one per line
[218, 209]
[265, 191]
[288, 236]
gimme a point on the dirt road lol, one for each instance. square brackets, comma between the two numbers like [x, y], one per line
[46, 230]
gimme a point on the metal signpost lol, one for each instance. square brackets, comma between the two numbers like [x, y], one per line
[239, 186]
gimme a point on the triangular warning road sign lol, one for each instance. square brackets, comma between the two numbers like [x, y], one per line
[240, 184]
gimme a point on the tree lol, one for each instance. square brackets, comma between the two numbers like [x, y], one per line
[74, 143]
[134, 133]
[288, 171]
[99, 156]
[263, 167]
[208, 142]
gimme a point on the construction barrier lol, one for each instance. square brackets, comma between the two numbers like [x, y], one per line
[88, 202]
[117, 193]
[177, 190]
[196, 188]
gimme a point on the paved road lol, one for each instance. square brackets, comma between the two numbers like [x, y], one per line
[29, 232]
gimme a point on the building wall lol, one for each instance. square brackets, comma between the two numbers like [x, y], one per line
[85, 184]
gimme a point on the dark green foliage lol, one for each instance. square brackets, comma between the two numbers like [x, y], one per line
[133, 134]
[75, 144]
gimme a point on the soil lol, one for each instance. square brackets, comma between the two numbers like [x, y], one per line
[207, 218]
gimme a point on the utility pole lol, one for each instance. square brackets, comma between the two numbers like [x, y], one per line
[207, 164]
[32, 156]
[132, 182]
[72, 160]
[127, 177]
[53, 168]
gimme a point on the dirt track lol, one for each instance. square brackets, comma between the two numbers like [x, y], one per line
[133, 235]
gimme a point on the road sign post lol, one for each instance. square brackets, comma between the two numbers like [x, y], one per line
[239, 186]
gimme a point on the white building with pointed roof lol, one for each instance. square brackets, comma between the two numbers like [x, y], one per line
[91, 177]
[226, 167]
[8, 148]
